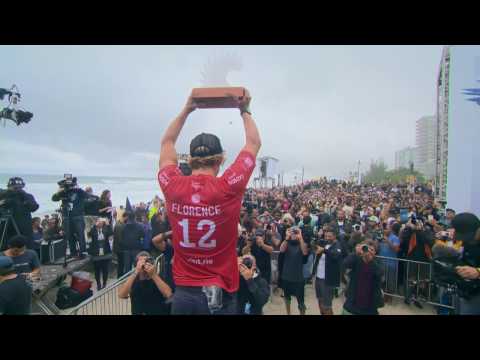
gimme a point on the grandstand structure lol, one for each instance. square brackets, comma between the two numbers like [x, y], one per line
[441, 143]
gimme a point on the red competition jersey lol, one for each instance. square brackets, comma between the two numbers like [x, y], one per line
[204, 212]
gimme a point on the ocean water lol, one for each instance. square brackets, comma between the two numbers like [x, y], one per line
[42, 187]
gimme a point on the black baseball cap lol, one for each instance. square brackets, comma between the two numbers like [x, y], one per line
[16, 182]
[259, 232]
[465, 225]
[205, 145]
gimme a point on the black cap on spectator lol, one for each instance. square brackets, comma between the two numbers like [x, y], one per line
[205, 145]
[465, 225]
[259, 232]
[17, 242]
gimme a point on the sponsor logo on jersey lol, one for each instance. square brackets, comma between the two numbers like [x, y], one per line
[195, 198]
[248, 162]
[163, 178]
[233, 179]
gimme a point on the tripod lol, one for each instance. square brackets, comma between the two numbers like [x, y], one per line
[5, 220]
[65, 209]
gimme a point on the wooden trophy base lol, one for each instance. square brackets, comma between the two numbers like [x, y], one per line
[218, 97]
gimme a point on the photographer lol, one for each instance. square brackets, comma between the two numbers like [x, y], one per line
[364, 294]
[16, 202]
[342, 227]
[70, 193]
[148, 292]
[467, 227]
[262, 249]
[254, 291]
[327, 267]
[294, 252]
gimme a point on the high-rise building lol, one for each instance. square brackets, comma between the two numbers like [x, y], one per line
[425, 141]
[457, 170]
[405, 158]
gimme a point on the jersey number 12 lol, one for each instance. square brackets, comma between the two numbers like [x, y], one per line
[205, 242]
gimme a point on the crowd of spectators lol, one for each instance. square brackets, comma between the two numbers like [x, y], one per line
[338, 236]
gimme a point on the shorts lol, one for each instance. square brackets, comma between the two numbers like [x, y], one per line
[324, 293]
[191, 300]
[296, 289]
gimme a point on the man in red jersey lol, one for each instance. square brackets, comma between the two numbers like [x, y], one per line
[204, 212]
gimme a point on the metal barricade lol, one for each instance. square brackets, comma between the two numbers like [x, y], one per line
[106, 301]
[413, 281]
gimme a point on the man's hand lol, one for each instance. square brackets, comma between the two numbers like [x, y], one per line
[468, 272]
[139, 267]
[358, 250]
[246, 273]
[244, 103]
[150, 270]
[288, 234]
[260, 242]
[190, 106]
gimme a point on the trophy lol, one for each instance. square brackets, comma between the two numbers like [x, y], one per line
[218, 97]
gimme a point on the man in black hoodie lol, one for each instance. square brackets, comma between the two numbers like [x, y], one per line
[254, 290]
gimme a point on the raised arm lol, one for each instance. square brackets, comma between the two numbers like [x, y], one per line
[168, 154]
[252, 136]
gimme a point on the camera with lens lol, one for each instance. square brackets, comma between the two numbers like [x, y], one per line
[413, 219]
[68, 182]
[365, 249]
[149, 260]
[356, 227]
[295, 230]
[444, 273]
[248, 262]
[12, 195]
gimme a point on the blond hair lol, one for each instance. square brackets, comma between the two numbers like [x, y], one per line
[198, 162]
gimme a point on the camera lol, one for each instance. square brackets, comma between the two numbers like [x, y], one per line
[356, 227]
[149, 260]
[295, 230]
[68, 182]
[365, 249]
[414, 219]
[247, 262]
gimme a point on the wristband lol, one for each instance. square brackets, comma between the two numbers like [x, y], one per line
[246, 110]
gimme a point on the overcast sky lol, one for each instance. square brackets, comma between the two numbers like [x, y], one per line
[101, 110]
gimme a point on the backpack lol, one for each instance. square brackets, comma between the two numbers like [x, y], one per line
[68, 297]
